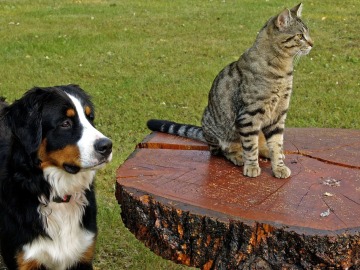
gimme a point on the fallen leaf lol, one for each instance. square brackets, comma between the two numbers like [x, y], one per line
[325, 214]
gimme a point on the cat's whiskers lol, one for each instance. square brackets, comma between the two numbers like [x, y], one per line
[297, 57]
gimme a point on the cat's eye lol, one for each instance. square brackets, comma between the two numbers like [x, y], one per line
[301, 36]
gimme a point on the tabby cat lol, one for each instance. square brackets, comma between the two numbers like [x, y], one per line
[249, 98]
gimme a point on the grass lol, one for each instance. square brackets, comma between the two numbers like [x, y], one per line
[144, 59]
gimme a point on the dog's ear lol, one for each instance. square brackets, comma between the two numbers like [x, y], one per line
[24, 119]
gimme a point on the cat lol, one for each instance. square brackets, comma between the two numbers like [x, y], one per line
[249, 99]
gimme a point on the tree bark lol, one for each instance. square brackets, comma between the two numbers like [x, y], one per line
[208, 241]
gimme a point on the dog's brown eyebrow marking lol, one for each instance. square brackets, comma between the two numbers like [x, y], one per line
[87, 110]
[70, 113]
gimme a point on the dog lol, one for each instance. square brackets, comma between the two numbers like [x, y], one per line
[49, 153]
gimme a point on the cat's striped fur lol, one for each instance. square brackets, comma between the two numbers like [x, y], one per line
[249, 98]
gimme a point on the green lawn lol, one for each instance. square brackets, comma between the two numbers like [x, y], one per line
[146, 59]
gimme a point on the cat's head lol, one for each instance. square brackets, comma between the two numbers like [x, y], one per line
[288, 32]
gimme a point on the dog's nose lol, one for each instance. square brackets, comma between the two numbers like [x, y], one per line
[103, 146]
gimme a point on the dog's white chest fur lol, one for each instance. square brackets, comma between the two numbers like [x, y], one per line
[68, 239]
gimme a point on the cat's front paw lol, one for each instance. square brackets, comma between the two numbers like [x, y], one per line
[282, 172]
[252, 170]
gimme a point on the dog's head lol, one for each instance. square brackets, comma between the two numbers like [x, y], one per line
[55, 127]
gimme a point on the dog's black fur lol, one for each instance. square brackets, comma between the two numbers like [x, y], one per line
[24, 126]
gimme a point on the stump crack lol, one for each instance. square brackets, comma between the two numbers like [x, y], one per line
[322, 159]
[350, 199]
[333, 211]
[302, 198]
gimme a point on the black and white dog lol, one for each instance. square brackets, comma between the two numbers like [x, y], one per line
[49, 152]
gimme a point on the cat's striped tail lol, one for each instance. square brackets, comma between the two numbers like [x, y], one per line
[183, 130]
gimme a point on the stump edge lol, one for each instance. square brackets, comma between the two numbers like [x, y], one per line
[212, 241]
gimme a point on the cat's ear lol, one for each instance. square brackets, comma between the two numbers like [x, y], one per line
[283, 19]
[297, 10]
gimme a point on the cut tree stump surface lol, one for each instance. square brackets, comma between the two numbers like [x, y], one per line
[199, 210]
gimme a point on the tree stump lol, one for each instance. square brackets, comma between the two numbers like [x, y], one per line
[199, 210]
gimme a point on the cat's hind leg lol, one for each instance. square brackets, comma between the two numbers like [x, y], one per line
[229, 148]
[233, 152]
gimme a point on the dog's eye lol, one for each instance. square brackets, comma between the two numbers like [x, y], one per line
[66, 124]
